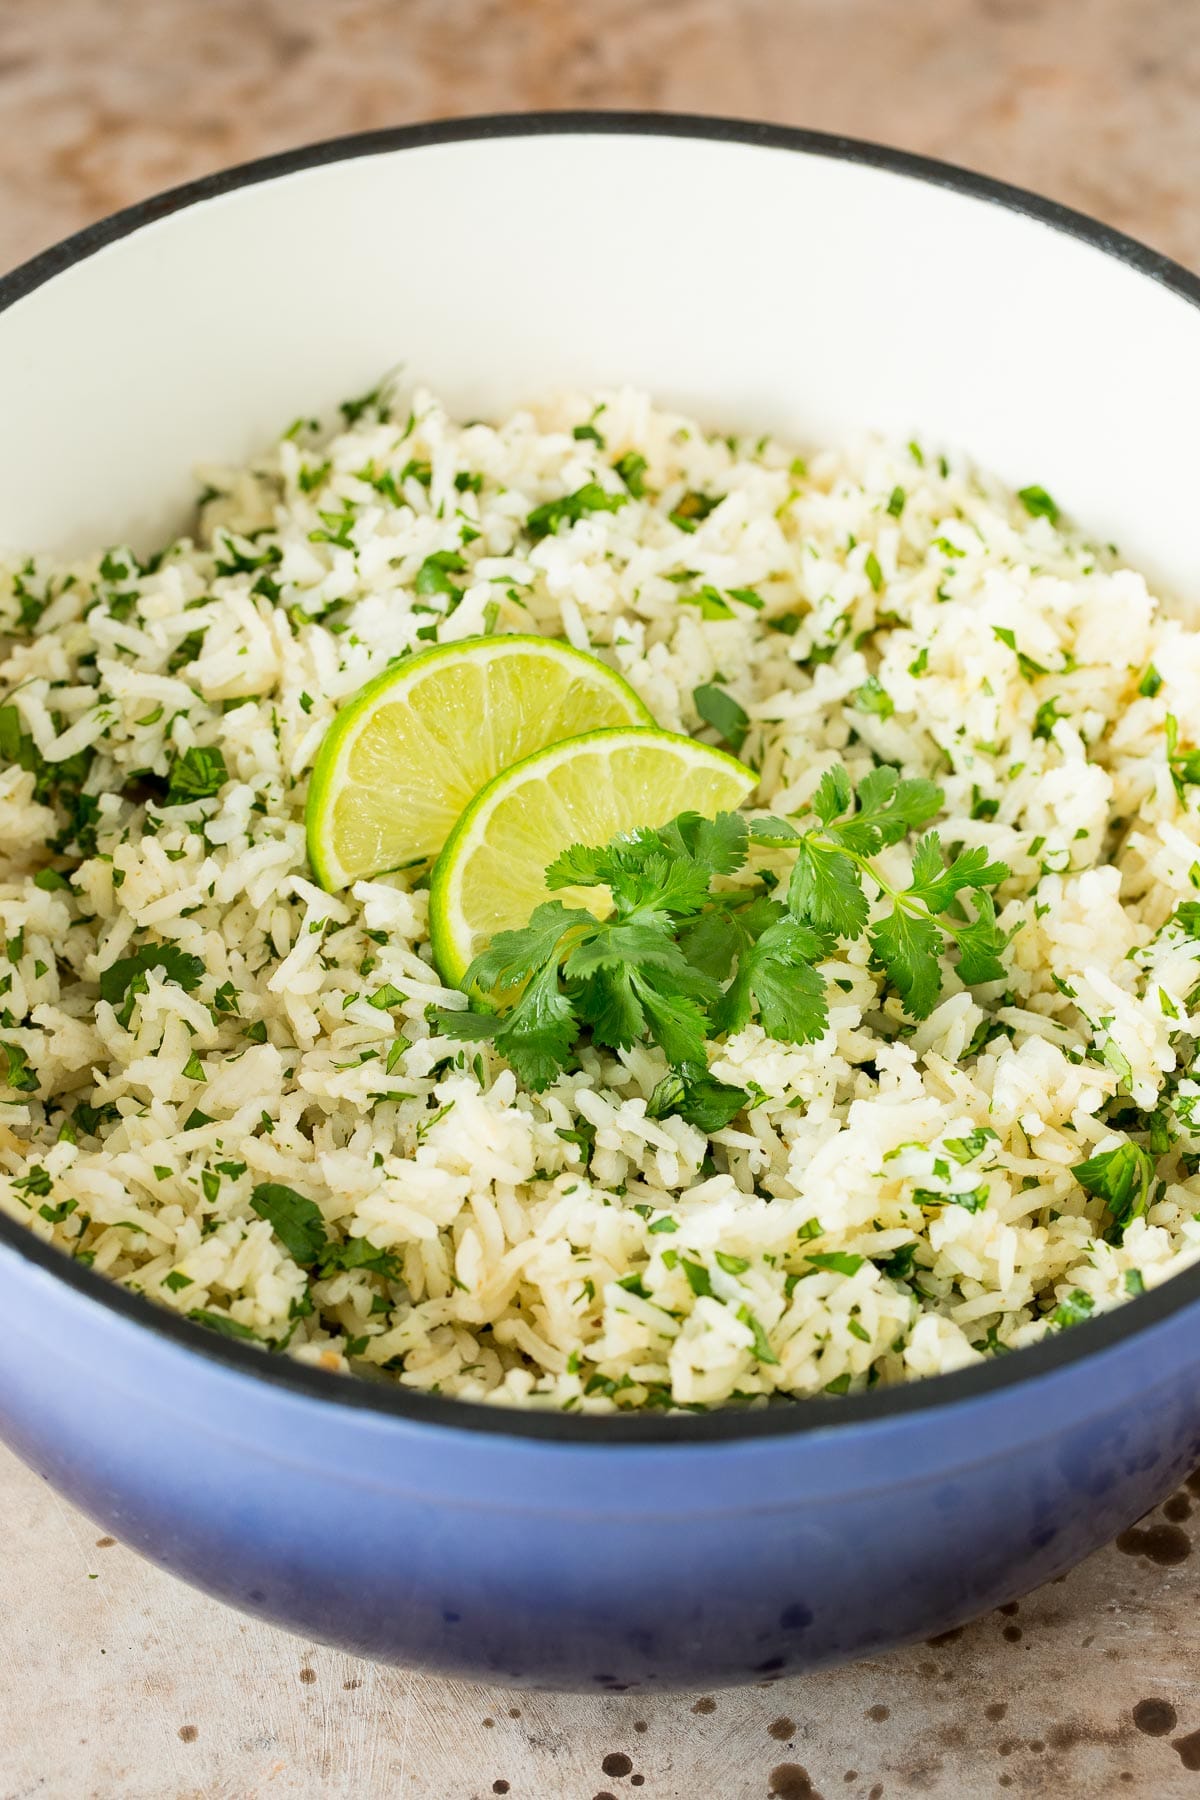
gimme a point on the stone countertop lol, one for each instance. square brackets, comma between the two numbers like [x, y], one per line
[116, 1682]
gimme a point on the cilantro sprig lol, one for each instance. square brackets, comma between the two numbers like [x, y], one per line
[680, 961]
[655, 969]
[907, 942]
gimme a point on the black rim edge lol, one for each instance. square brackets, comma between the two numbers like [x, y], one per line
[787, 1418]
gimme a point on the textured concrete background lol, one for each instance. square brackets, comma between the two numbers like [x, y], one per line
[115, 1682]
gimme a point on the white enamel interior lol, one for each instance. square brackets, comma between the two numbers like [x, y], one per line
[764, 288]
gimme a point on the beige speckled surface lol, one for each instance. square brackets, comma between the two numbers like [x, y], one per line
[129, 1687]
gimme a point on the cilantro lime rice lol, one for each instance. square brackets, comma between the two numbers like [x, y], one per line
[240, 1095]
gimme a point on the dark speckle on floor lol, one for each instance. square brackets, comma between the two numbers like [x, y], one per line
[617, 1763]
[307, 1675]
[788, 1781]
[1162, 1544]
[189, 1733]
[878, 1713]
[1188, 1749]
[782, 1728]
[705, 1704]
[1155, 1717]
[995, 1709]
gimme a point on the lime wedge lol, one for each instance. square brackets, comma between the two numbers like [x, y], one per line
[490, 876]
[403, 757]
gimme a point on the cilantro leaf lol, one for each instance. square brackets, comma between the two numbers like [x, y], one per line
[15, 1070]
[1122, 1177]
[966, 1149]
[176, 965]
[297, 1222]
[537, 1036]
[545, 520]
[725, 931]
[908, 946]
[359, 1254]
[841, 1262]
[693, 508]
[224, 1326]
[776, 973]
[433, 577]
[632, 469]
[980, 943]
[888, 809]
[1038, 503]
[694, 1094]
[511, 955]
[723, 713]
[873, 697]
[196, 775]
[826, 889]
[762, 1343]
[676, 1022]
[936, 883]
[1077, 1307]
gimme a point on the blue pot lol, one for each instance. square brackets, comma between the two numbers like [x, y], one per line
[607, 1553]
[603, 1553]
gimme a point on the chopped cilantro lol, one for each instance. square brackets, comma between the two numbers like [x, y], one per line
[545, 520]
[1077, 1307]
[297, 1222]
[693, 509]
[1038, 504]
[723, 713]
[196, 775]
[839, 1262]
[762, 1343]
[632, 469]
[1122, 1177]
[433, 577]
[873, 697]
[15, 1071]
[224, 1326]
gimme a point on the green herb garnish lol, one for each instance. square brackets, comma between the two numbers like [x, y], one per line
[196, 775]
[544, 520]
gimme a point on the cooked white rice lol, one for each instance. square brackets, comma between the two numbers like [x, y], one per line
[134, 1130]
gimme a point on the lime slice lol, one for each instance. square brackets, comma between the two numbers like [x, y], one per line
[490, 876]
[403, 757]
